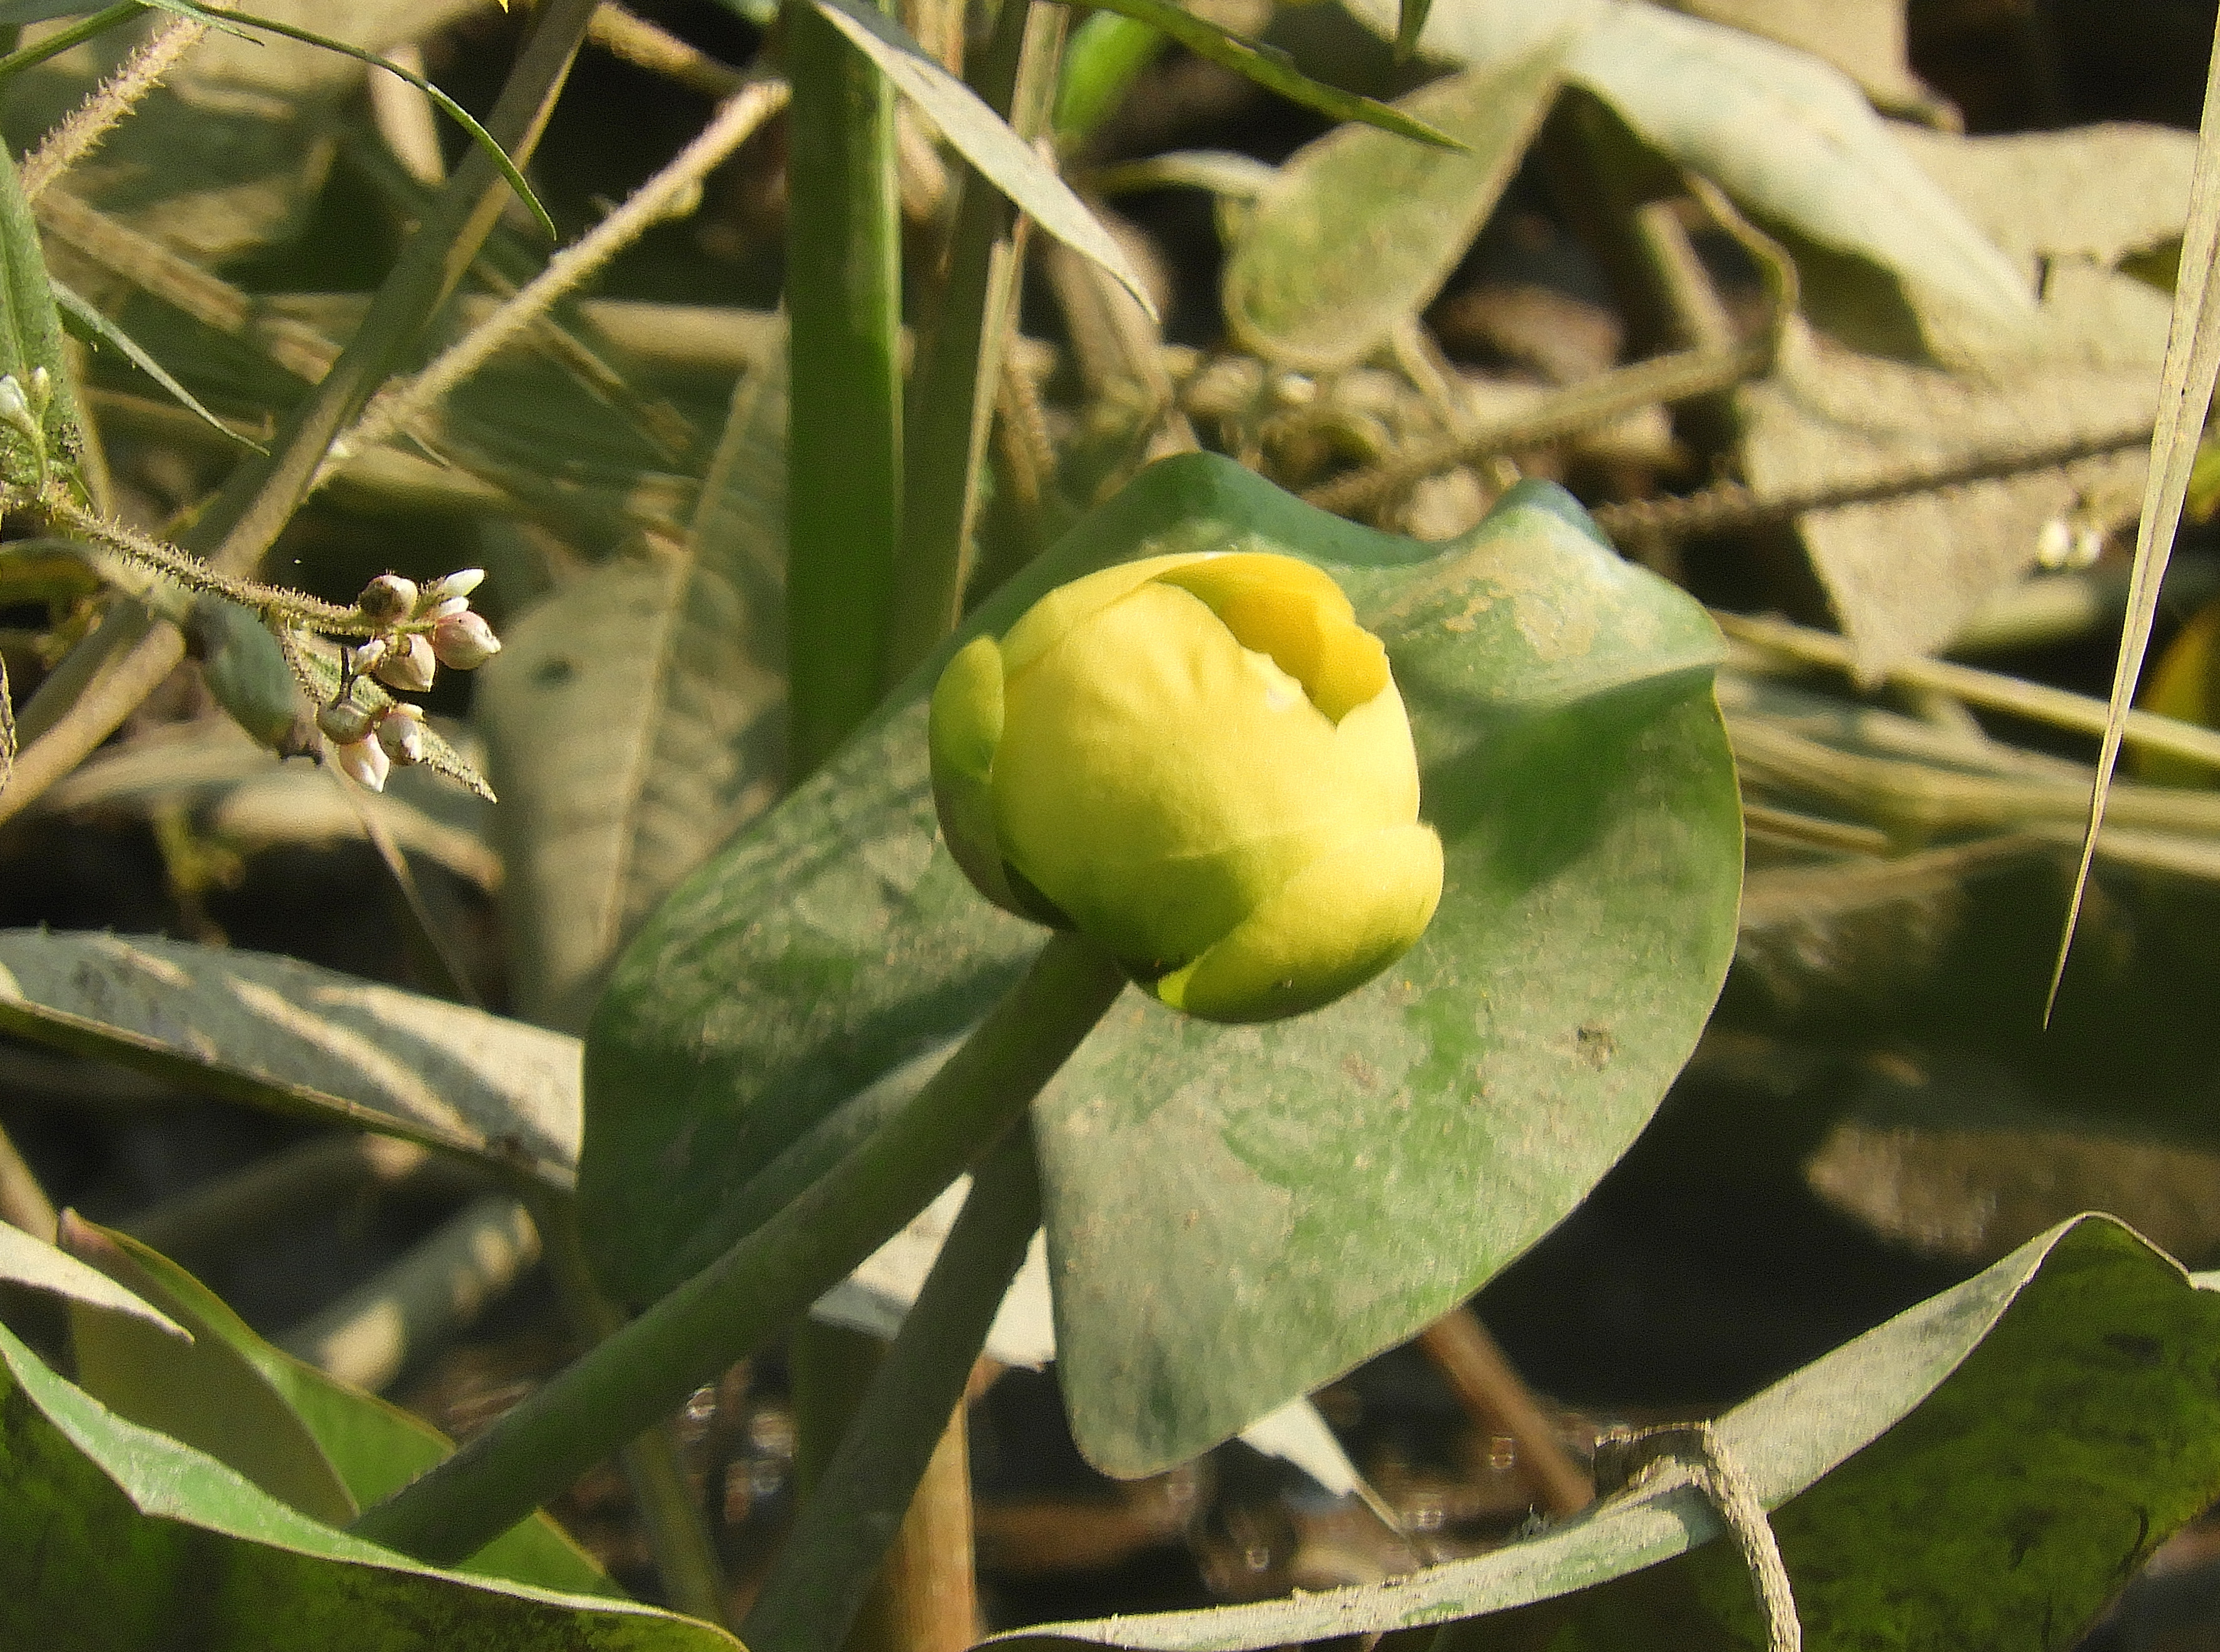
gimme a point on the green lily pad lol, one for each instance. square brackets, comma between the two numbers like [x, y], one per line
[1986, 1469]
[1235, 1215]
[115, 1538]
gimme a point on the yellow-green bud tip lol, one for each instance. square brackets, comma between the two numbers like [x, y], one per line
[1202, 763]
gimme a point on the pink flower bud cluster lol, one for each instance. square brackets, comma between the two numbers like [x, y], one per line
[414, 631]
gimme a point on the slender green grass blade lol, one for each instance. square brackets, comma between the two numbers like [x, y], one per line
[96, 326]
[1272, 70]
[455, 111]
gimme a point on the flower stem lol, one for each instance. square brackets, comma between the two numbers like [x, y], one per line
[728, 1309]
[848, 1519]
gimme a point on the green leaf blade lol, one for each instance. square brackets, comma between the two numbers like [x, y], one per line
[115, 1538]
[787, 994]
[983, 138]
[1982, 1470]
[1360, 229]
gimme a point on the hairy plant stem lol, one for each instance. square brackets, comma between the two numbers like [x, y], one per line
[81, 131]
[763, 1281]
[401, 402]
[131, 652]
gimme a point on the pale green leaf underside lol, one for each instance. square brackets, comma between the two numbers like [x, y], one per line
[1362, 228]
[277, 1033]
[1981, 1471]
[31, 1261]
[114, 1537]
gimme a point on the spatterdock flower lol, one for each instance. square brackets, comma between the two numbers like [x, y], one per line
[1201, 764]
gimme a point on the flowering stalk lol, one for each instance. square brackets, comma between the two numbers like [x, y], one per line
[408, 633]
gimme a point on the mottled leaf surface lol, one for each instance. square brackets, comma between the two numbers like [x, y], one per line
[1310, 1192]
[1983, 1470]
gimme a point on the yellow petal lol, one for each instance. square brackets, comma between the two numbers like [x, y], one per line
[1296, 614]
[1335, 924]
[963, 730]
[1050, 620]
[1156, 780]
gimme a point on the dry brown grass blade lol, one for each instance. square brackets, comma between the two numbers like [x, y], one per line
[2192, 359]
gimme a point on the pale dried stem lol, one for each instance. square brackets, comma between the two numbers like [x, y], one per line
[369, 1336]
[23, 1202]
[1990, 690]
[147, 265]
[399, 405]
[327, 1172]
[82, 128]
[622, 33]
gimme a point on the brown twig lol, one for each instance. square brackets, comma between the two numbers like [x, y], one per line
[1725, 506]
[1492, 1394]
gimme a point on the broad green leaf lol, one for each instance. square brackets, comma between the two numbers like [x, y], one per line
[29, 1261]
[982, 137]
[204, 1392]
[1272, 68]
[1362, 228]
[273, 1032]
[1215, 1177]
[636, 718]
[373, 1447]
[1790, 138]
[115, 1538]
[1983, 1470]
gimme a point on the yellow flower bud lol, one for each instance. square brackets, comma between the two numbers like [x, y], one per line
[1201, 764]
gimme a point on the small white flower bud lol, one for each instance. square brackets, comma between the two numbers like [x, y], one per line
[364, 762]
[367, 654]
[345, 720]
[464, 641]
[461, 583]
[441, 609]
[15, 408]
[387, 600]
[401, 733]
[408, 666]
